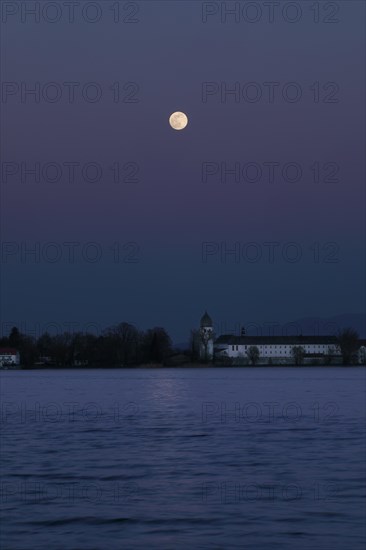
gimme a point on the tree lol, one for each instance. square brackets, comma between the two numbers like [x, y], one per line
[23, 343]
[253, 354]
[44, 345]
[298, 353]
[61, 350]
[158, 344]
[84, 348]
[123, 338]
[15, 338]
[205, 334]
[194, 344]
[328, 356]
[27, 350]
[348, 343]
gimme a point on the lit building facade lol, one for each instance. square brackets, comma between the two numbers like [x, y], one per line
[9, 356]
[276, 347]
[269, 349]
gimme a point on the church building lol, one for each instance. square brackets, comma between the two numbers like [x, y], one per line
[280, 349]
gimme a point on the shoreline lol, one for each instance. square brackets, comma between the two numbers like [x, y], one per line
[184, 366]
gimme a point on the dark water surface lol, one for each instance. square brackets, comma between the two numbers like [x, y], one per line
[259, 458]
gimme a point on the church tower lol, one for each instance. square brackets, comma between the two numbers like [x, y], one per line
[206, 338]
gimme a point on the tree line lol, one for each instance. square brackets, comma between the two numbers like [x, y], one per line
[119, 345]
[123, 345]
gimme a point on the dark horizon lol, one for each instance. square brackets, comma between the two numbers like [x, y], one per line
[310, 326]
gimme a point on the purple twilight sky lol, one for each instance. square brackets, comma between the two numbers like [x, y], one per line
[255, 212]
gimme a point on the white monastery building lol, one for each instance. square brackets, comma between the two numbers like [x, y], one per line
[278, 349]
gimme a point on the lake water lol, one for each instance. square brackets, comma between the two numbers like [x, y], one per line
[251, 458]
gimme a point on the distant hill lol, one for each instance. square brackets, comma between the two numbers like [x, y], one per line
[312, 326]
[308, 326]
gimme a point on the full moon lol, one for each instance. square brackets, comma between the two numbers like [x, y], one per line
[178, 120]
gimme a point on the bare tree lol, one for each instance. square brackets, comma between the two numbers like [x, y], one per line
[194, 344]
[328, 356]
[298, 353]
[158, 344]
[253, 354]
[205, 335]
[348, 343]
[124, 337]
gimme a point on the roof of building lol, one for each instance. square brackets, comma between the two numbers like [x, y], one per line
[274, 340]
[8, 351]
[206, 320]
